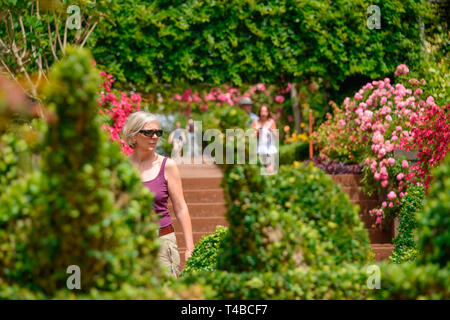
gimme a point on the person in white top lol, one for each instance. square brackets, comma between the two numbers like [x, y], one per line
[266, 132]
[178, 139]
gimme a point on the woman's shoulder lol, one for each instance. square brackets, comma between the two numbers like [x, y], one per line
[273, 123]
[170, 168]
[169, 162]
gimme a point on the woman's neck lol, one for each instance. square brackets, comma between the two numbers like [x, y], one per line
[145, 155]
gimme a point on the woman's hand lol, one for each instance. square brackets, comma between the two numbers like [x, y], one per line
[187, 254]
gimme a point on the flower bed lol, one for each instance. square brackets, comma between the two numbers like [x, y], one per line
[379, 119]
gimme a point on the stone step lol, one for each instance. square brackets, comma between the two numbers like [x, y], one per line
[379, 236]
[211, 209]
[205, 183]
[382, 250]
[207, 225]
[200, 171]
[203, 196]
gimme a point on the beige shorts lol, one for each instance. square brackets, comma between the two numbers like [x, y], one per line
[169, 255]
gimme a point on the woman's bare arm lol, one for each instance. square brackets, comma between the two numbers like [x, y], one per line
[179, 204]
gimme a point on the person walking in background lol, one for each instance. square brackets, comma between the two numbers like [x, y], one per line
[191, 131]
[161, 176]
[178, 139]
[265, 129]
[246, 104]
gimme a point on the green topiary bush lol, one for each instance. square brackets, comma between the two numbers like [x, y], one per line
[204, 256]
[297, 217]
[85, 206]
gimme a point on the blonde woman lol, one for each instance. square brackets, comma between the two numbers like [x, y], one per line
[161, 176]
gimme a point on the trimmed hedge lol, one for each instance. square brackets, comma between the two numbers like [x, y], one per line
[204, 256]
[298, 151]
[336, 282]
[411, 280]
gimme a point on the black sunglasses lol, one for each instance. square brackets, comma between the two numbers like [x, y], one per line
[150, 133]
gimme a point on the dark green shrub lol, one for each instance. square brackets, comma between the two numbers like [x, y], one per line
[405, 244]
[298, 151]
[85, 206]
[204, 256]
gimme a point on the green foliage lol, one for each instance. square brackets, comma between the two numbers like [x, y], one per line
[405, 244]
[434, 222]
[429, 276]
[410, 280]
[204, 256]
[291, 152]
[345, 282]
[434, 66]
[297, 217]
[85, 206]
[15, 157]
[217, 42]
[224, 117]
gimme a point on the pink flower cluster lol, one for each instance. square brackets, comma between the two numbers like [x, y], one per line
[387, 117]
[430, 135]
[117, 108]
[401, 69]
[228, 95]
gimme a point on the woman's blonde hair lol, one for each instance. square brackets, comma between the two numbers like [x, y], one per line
[135, 122]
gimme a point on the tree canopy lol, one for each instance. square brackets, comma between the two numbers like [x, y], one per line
[229, 41]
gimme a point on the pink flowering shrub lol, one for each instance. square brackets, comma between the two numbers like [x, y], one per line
[430, 132]
[116, 109]
[260, 93]
[380, 118]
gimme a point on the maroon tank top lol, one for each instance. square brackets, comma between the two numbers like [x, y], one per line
[161, 193]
